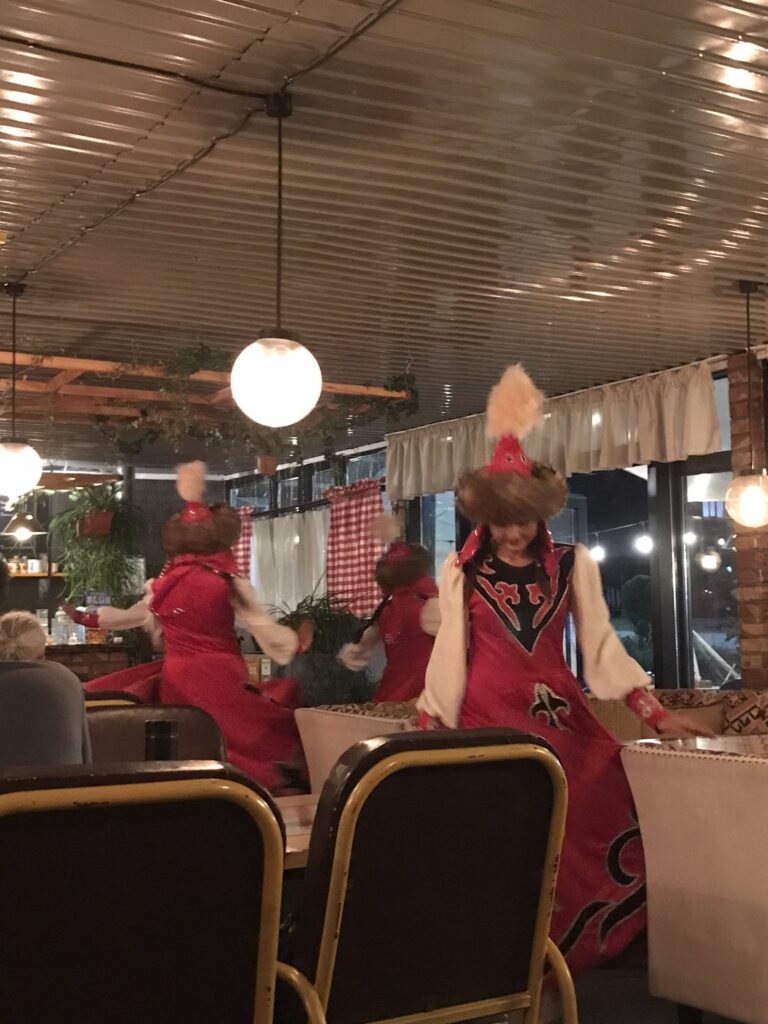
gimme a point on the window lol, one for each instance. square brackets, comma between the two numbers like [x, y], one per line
[438, 527]
[615, 512]
[371, 466]
[288, 492]
[710, 569]
[255, 494]
[322, 479]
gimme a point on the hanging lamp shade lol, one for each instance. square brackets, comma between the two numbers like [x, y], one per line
[20, 465]
[276, 382]
[23, 526]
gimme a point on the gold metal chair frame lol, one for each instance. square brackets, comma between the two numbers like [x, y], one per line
[111, 703]
[125, 794]
[543, 948]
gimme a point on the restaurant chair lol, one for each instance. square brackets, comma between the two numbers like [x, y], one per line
[118, 733]
[140, 894]
[110, 698]
[430, 879]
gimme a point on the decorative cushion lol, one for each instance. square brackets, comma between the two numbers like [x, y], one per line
[745, 714]
[679, 700]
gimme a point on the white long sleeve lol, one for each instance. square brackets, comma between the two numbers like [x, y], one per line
[446, 676]
[430, 617]
[278, 642]
[609, 672]
[138, 614]
[358, 656]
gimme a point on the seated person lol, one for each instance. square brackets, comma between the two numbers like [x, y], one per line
[42, 706]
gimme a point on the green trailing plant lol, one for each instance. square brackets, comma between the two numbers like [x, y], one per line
[233, 433]
[103, 564]
[323, 679]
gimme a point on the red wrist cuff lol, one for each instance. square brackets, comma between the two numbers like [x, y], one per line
[426, 721]
[88, 619]
[645, 706]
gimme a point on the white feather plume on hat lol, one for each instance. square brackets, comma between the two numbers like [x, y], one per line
[190, 481]
[514, 405]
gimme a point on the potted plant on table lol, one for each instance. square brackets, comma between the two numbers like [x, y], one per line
[322, 678]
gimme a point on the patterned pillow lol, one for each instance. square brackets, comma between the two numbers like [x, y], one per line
[745, 714]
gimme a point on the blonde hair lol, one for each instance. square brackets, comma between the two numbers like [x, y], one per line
[21, 637]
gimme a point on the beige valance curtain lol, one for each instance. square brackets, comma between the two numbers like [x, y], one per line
[660, 418]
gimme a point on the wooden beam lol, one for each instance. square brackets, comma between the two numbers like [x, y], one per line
[112, 369]
[128, 394]
[221, 397]
[65, 377]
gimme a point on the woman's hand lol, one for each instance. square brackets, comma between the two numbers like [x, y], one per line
[679, 725]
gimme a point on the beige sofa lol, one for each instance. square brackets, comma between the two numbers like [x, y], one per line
[326, 732]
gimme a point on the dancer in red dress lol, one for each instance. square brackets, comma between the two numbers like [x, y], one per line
[498, 660]
[195, 602]
[405, 622]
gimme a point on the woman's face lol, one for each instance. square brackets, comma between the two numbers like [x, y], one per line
[516, 538]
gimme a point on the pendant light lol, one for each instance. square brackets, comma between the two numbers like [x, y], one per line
[20, 465]
[276, 381]
[23, 526]
[747, 498]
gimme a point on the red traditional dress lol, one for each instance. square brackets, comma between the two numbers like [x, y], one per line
[406, 626]
[195, 602]
[499, 661]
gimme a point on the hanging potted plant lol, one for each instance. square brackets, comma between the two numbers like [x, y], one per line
[97, 536]
[95, 524]
[267, 465]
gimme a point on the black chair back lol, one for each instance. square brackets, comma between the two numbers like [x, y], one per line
[118, 732]
[138, 895]
[430, 877]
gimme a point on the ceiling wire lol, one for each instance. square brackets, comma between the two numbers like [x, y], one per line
[368, 23]
[127, 65]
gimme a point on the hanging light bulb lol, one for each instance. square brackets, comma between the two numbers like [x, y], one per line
[597, 553]
[746, 500]
[276, 381]
[689, 538]
[20, 465]
[644, 544]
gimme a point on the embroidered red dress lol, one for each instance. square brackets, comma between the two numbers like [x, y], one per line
[406, 626]
[406, 644]
[195, 601]
[517, 676]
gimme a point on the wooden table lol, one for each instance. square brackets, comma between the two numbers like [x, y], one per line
[298, 814]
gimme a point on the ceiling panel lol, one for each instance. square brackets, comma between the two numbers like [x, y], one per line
[468, 183]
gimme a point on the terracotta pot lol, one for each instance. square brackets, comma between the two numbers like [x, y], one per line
[95, 524]
[267, 465]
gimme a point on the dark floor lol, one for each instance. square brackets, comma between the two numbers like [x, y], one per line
[621, 997]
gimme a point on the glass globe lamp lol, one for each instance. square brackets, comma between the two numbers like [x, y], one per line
[747, 500]
[20, 468]
[276, 382]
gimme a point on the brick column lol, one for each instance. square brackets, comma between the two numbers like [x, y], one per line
[751, 544]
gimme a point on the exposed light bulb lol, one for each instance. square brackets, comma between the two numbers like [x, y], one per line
[710, 561]
[597, 553]
[20, 468]
[747, 500]
[689, 538]
[22, 533]
[644, 544]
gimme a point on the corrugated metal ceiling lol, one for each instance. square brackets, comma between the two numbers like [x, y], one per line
[469, 183]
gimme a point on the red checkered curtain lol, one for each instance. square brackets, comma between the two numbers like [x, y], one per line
[242, 549]
[352, 551]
